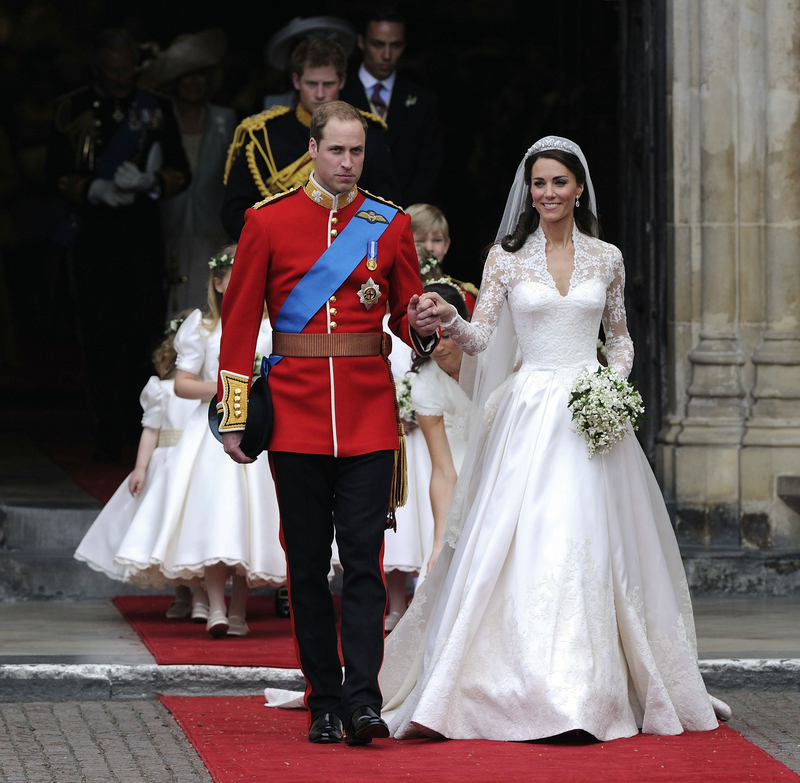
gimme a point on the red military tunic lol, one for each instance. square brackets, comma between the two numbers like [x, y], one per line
[340, 406]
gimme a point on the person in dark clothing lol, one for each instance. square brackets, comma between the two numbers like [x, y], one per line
[269, 153]
[114, 152]
[409, 110]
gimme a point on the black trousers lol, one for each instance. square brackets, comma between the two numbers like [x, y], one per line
[317, 494]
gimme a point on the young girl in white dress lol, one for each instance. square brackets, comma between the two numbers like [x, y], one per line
[164, 417]
[443, 411]
[406, 548]
[560, 602]
[206, 517]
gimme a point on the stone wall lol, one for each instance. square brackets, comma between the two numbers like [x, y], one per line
[730, 445]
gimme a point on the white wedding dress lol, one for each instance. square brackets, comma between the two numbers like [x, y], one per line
[564, 604]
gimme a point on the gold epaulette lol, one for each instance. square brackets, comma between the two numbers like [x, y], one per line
[246, 128]
[383, 201]
[273, 197]
[368, 115]
[62, 117]
[468, 287]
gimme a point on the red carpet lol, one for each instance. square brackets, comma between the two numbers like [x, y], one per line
[239, 739]
[98, 479]
[269, 642]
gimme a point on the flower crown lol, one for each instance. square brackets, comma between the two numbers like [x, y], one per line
[428, 265]
[173, 326]
[449, 281]
[219, 261]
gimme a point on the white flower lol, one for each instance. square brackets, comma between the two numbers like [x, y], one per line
[603, 405]
[403, 389]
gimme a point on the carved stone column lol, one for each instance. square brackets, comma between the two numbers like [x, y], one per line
[729, 461]
[716, 406]
[776, 409]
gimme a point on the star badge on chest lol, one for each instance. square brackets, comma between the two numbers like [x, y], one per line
[369, 293]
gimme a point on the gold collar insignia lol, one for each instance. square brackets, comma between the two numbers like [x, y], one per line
[303, 117]
[321, 196]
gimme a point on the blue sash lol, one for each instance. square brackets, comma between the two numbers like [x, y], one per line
[125, 142]
[332, 268]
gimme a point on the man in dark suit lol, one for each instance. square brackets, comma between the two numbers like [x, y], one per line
[410, 111]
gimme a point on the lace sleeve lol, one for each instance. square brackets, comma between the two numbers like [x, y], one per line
[619, 345]
[473, 336]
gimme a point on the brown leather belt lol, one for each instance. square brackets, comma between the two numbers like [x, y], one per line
[317, 346]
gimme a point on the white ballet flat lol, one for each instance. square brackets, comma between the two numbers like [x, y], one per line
[200, 611]
[237, 626]
[217, 624]
[391, 621]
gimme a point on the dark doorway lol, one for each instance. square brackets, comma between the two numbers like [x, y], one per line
[506, 71]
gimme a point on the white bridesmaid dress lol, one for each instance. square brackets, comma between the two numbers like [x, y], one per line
[163, 411]
[204, 508]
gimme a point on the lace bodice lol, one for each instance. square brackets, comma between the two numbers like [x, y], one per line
[555, 332]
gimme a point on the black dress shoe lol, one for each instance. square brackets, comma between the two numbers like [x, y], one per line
[365, 725]
[282, 602]
[326, 729]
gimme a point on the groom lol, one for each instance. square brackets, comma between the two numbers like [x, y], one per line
[330, 260]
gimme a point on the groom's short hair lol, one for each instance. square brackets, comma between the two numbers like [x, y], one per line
[335, 110]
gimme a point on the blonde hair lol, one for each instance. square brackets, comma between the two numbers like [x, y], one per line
[165, 356]
[212, 312]
[426, 218]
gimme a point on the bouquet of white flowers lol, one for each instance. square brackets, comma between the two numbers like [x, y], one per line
[407, 412]
[602, 406]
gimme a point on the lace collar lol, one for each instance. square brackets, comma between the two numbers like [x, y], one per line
[581, 263]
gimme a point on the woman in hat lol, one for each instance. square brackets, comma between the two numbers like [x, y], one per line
[190, 71]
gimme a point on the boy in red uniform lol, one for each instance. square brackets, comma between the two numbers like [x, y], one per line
[328, 258]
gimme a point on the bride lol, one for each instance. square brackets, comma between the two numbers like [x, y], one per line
[561, 601]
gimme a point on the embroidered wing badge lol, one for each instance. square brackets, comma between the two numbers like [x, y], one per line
[371, 216]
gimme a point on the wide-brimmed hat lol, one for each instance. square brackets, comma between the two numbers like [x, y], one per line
[282, 44]
[187, 53]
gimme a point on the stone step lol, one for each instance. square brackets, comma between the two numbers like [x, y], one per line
[46, 525]
[105, 682]
[55, 574]
[711, 571]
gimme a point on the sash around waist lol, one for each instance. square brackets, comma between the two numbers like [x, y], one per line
[318, 346]
[169, 437]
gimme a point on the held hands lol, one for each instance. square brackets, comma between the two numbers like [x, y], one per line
[426, 312]
[104, 191]
[231, 442]
[128, 178]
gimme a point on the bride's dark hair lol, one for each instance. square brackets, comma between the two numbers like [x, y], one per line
[529, 219]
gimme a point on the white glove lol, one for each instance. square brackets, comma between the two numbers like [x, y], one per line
[104, 191]
[128, 177]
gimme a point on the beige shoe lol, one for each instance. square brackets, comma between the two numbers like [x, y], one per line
[237, 626]
[391, 621]
[217, 624]
[179, 610]
[200, 611]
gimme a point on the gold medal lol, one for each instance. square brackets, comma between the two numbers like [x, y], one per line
[372, 255]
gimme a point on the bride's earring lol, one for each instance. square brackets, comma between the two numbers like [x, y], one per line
[577, 203]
